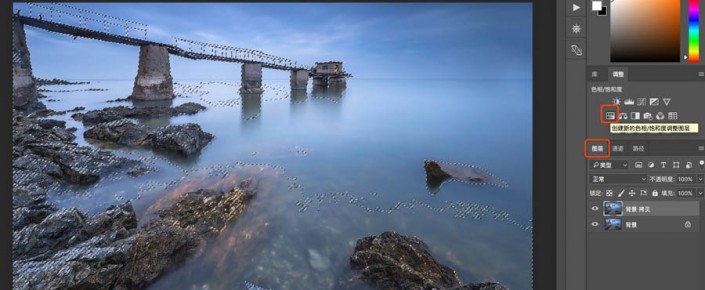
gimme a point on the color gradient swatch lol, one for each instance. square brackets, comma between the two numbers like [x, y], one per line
[693, 31]
[645, 31]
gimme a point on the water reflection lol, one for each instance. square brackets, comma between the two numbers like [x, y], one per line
[328, 99]
[297, 104]
[251, 109]
[153, 123]
[277, 245]
[178, 159]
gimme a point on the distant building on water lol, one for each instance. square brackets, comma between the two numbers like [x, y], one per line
[329, 74]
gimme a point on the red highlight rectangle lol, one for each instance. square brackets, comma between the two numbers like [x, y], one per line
[609, 148]
[602, 114]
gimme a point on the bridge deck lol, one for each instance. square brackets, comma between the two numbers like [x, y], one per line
[126, 40]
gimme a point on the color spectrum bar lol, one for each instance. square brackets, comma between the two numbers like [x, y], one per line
[693, 31]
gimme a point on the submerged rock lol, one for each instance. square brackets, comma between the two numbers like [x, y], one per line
[184, 139]
[206, 212]
[137, 171]
[116, 113]
[122, 132]
[437, 173]
[434, 174]
[318, 261]
[394, 261]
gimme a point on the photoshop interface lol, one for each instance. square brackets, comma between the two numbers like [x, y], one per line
[128, 118]
[630, 203]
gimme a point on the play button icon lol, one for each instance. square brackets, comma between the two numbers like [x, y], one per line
[575, 8]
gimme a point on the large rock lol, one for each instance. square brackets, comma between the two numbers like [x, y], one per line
[116, 113]
[123, 132]
[59, 230]
[394, 261]
[29, 207]
[153, 81]
[97, 261]
[44, 152]
[101, 116]
[69, 251]
[33, 169]
[184, 139]
[51, 123]
[81, 164]
[161, 246]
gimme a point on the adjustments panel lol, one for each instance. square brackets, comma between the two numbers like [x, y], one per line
[644, 146]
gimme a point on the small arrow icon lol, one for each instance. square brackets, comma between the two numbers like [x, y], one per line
[576, 7]
[666, 101]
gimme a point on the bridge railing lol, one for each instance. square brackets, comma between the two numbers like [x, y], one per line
[90, 20]
[66, 14]
[226, 51]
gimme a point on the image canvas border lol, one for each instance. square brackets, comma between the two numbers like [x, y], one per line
[544, 140]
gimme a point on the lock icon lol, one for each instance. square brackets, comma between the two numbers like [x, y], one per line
[688, 225]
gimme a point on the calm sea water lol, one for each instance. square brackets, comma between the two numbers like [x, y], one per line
[335, 166]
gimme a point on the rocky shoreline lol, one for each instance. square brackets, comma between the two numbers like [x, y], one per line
[65, 248]
[68, 250]
[45, 155]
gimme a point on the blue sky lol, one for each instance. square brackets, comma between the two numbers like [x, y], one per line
[387, 40]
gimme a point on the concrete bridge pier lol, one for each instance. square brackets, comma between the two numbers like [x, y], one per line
[299, 79]
[24, 90]
[337, 83]
[320, 82]
[329, 82]
[153, 81]
[251, 78]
